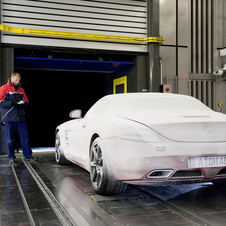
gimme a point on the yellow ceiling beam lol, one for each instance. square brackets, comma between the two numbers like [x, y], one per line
[29, 31]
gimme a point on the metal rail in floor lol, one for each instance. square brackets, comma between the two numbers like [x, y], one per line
[182, 205]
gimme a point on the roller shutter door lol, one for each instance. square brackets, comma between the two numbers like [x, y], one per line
[109, 17]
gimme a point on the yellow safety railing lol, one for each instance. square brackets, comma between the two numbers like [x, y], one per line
[81, 35]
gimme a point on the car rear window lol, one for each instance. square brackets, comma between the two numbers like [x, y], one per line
[147, 104]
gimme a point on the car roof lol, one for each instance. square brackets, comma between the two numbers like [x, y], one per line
[145, 94]
[125, 102]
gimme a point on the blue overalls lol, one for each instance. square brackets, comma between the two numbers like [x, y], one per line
[13, 117]
[21, 127]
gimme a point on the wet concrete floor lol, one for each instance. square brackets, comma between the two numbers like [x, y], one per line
[190, 204]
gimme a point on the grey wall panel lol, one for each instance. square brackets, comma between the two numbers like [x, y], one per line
[168, 55]
[221, 95]
[204, 90]
[21, 17]
[220, 42]
[220, 23]
[142, 74]
[220, 33]
[209, 51]
[154, 77]
[202, 36]
[70, 13]
[193, 37]
[80, 28]
[224, 24]
[117, 18]
[7, 68]
[183, 22]
[85, 6]
[167, 10]
[199, 36]
[183, 67]
[137, 3]
[72, 43]
[203, 41]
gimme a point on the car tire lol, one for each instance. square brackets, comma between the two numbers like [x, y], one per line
[101, 176]
[59, 153]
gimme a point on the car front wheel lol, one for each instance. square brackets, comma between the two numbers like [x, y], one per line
[59, 153]
[102, 178]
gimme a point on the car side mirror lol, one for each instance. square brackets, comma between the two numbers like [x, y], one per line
[76, 113]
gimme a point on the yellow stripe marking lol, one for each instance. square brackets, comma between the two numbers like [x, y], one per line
[29, 31]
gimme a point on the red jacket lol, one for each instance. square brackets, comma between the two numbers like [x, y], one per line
[9, 94]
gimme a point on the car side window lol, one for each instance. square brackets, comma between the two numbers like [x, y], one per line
[96, 109]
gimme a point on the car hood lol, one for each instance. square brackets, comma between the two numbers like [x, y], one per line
[183, 127]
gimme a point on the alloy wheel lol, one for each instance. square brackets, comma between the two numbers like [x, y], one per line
[96, 166]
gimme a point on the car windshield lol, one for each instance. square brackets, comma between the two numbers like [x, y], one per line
[96, 109]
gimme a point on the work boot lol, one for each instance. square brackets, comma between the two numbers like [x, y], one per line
[31, 158]
[11, 161]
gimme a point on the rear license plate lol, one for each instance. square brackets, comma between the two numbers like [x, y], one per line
[210, 161]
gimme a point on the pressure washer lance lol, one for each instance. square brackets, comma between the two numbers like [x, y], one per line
[7, 112]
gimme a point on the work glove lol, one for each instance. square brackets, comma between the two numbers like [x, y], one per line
[17, 105]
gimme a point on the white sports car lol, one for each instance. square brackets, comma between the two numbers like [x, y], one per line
[145, 139]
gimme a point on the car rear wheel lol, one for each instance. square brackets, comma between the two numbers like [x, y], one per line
[102, 178]
[59, 153]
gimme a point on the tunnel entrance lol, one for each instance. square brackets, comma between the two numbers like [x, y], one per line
[59, 82]
[52, 95]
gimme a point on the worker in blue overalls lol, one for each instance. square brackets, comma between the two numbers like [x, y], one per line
[13, 100]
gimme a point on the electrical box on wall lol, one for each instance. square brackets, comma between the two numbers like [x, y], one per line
[165, 88]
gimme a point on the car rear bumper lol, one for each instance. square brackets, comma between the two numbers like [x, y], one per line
[134, 161]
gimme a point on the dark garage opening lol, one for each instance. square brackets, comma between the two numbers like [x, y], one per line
[52, 95]
[58, 82]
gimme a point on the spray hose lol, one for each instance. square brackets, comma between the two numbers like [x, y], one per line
[8, 119]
